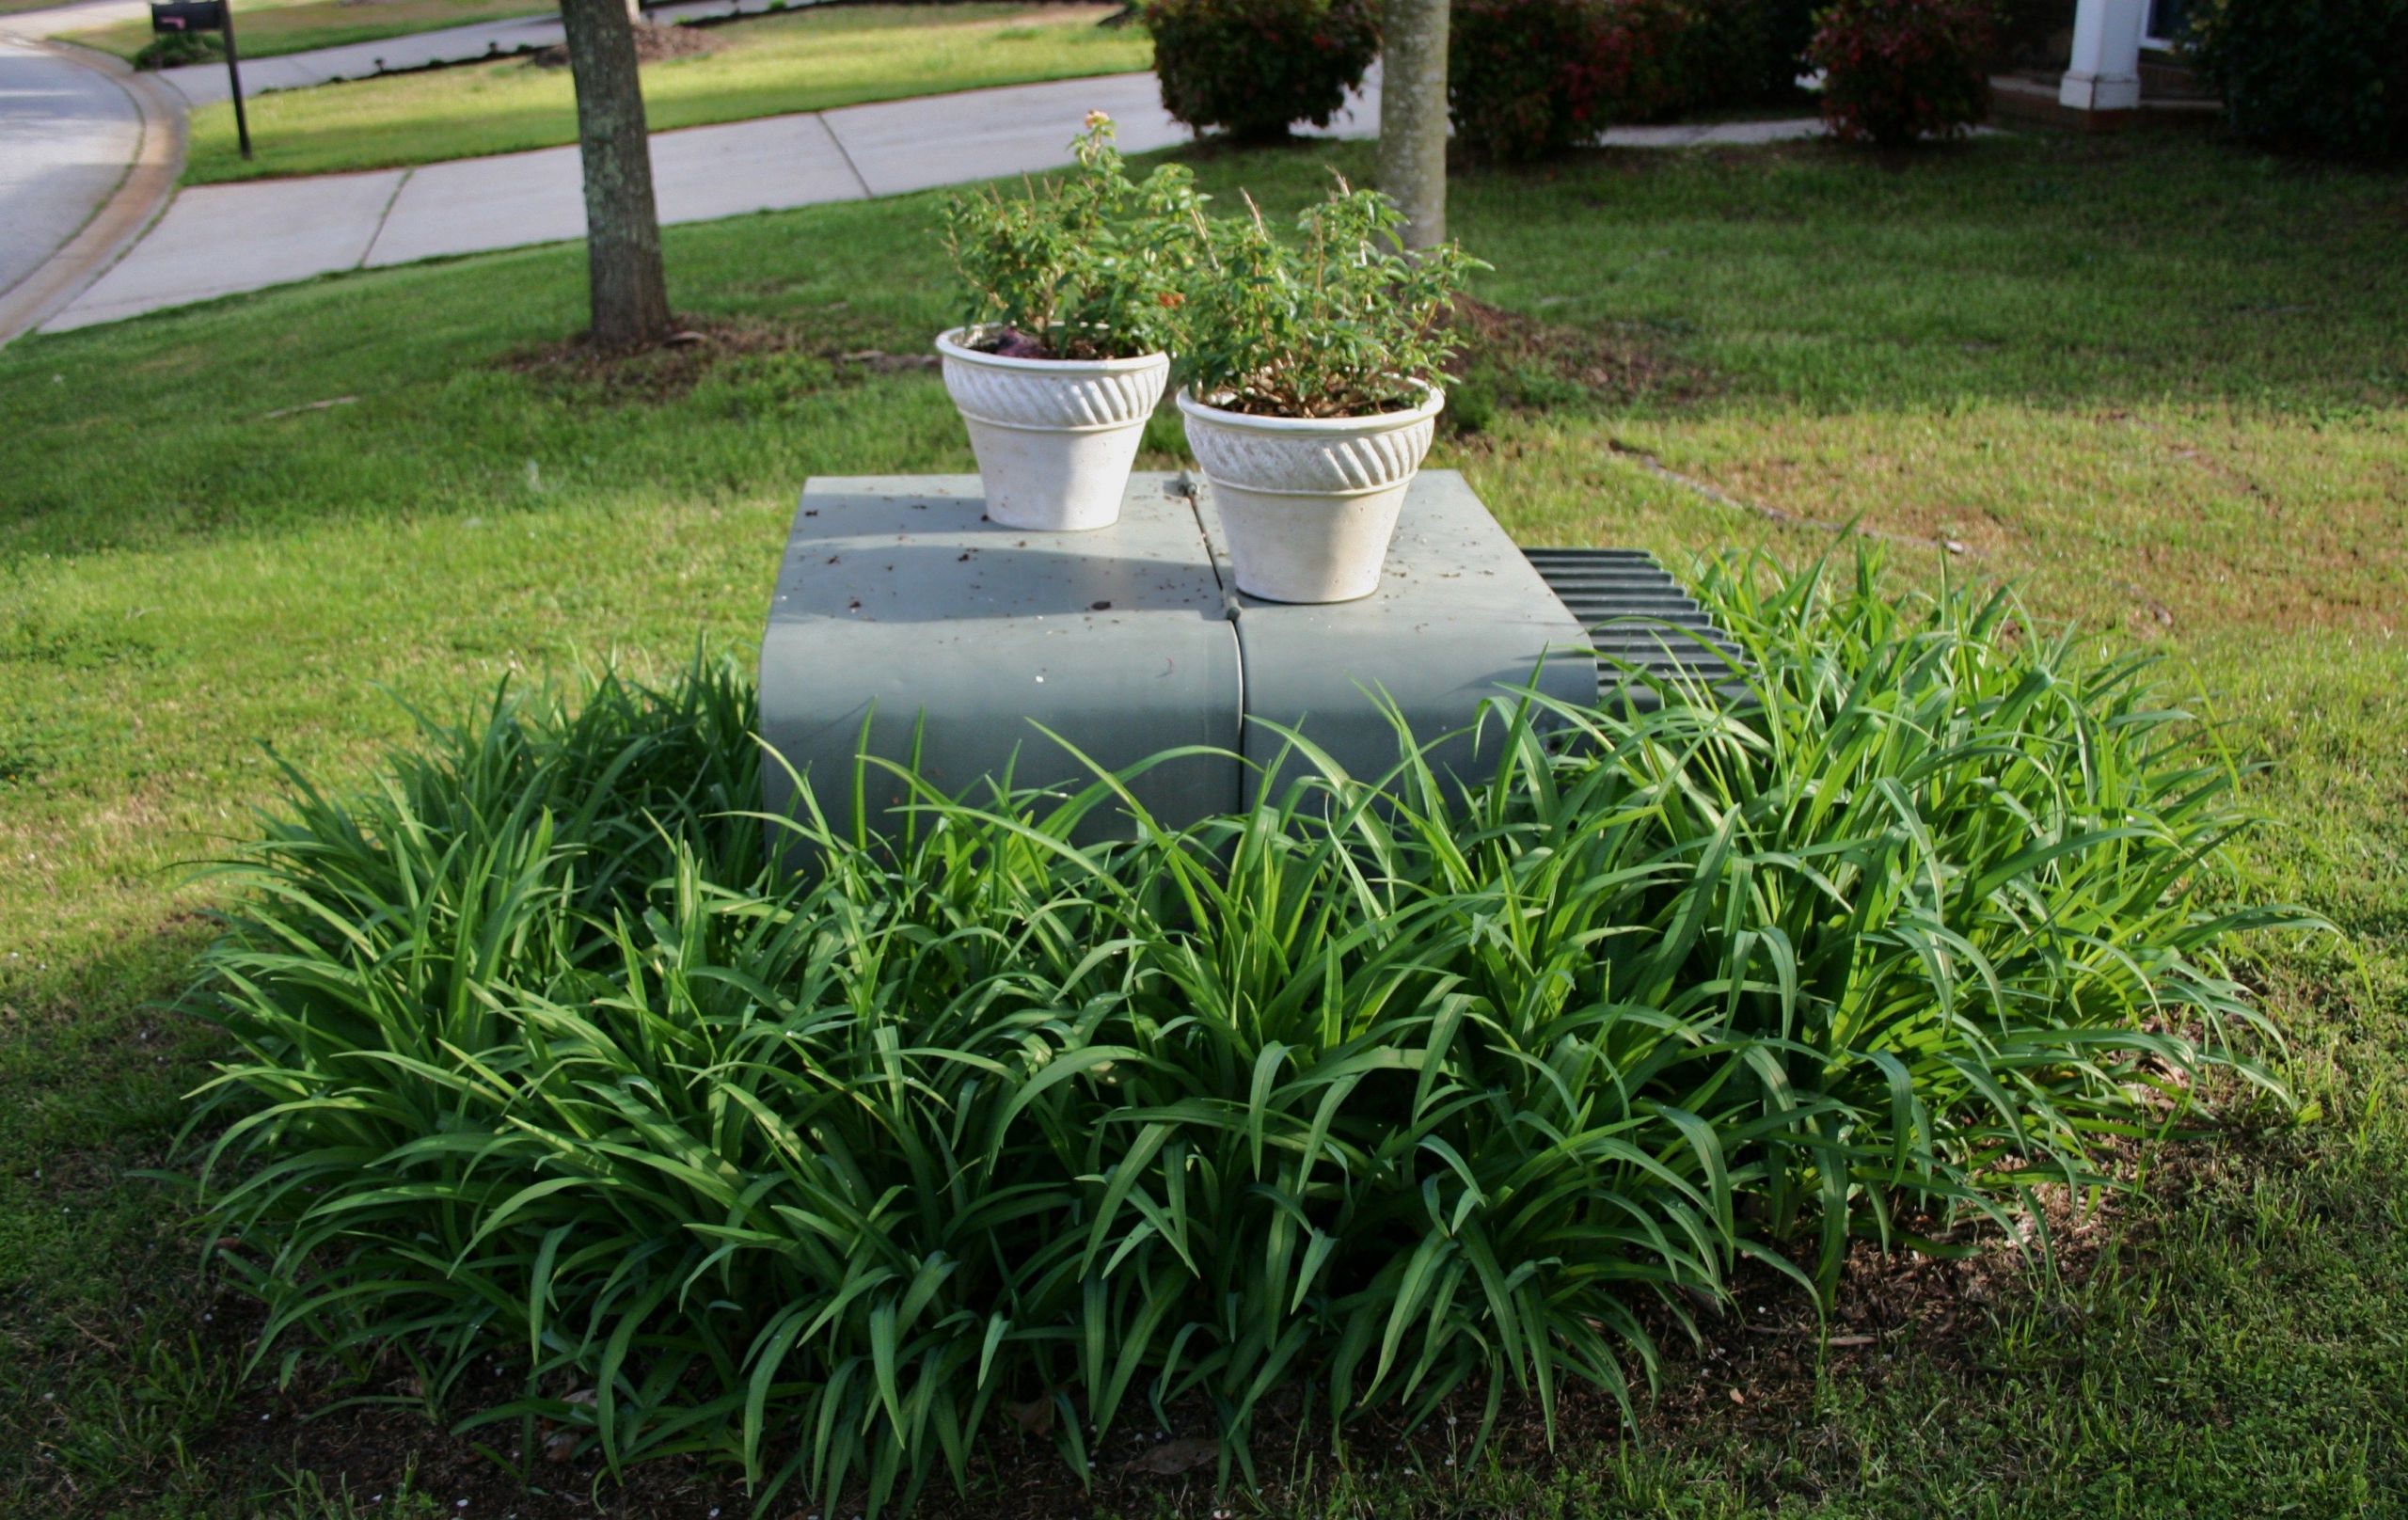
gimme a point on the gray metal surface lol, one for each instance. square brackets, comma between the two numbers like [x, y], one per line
[1460, 619]
[900, 604]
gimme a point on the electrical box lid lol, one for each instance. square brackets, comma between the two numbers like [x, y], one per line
[907, 627]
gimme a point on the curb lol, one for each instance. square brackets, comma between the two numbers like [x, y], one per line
[119, 223]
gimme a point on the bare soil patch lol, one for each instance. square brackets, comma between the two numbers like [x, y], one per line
[698, 350]
[1515, 362]
[654, 43]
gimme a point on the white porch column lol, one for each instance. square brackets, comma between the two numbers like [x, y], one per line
[2105, 70]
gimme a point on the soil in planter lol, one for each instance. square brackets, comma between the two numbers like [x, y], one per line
[1012, 343]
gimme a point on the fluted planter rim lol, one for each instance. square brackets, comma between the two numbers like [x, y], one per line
[1295, 439]
[954, 343]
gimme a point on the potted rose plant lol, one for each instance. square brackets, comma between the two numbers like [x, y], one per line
[1311, 373]
[1072, 292]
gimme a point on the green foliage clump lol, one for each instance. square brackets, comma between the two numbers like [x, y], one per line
[1256, 67]
[1788, 30]
[1739, 52]
[2310, 76]
[1896, 72]
[1090, 265]
[173, 49]
[2032, 34]
[1340, 323]
[1377, 1090]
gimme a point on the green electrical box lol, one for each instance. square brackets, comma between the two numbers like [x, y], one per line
[904, 621]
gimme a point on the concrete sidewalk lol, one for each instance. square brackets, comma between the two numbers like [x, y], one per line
[218, 240]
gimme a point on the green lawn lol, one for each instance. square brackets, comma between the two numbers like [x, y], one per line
[2160, 384]
[801, 61]
[264, 28]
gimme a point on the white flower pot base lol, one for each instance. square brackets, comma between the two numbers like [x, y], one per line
[1056, 439]
[1309, 504]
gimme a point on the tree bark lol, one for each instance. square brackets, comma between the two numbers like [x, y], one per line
[1412, 116]
[629, 291]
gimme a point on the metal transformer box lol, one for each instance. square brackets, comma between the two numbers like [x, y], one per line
[906, 625]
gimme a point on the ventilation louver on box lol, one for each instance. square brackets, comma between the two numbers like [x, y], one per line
[1636, 612]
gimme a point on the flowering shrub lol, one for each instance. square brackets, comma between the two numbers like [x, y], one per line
[1255, 67]
[1091, 266]
[2316, 76]
[1894, 70]
[1525, 78]
[1341, 322]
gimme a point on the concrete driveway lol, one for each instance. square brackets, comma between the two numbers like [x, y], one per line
[68, 131]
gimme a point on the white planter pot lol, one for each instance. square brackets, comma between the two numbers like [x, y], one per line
[1055, 437]
[1309, 503]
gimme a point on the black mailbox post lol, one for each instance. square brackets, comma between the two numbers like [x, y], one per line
[208, 16]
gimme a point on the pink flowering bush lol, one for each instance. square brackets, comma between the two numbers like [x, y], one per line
[1527, 78]
[1896, 70]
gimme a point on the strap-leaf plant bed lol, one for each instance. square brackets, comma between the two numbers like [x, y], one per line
[1239, 1081]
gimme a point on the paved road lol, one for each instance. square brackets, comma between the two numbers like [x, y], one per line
[203, 84]
[67, 134]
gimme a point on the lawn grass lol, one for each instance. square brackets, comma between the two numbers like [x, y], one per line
[807, 60]
[268, 28]
[2160, 384]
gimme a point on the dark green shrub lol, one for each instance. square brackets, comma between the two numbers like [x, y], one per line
[2310, 76]
[534, 1063]
[1527, 78]
[2032, 34]
[1256, 67]
[1789, 30]
[1742, 51]
[173, 49]
[1898, 71]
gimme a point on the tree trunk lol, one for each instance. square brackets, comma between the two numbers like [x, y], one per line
[631, 294]
[1412, 116]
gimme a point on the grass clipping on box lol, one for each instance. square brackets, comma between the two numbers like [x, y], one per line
[1394, 1104]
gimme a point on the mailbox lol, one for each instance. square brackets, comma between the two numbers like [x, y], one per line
[188, 16]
